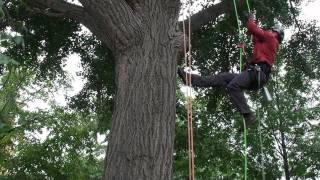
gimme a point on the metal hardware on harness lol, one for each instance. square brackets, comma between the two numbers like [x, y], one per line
[257, 67]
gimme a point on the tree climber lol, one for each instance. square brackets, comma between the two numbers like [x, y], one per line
[265, 46]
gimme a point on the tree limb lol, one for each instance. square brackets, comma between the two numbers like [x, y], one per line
[119, 21]
[54, 8]
[119, 14]
[277, 144]
[112, 28]
[57, 9]
[294, 15]
[203, 17]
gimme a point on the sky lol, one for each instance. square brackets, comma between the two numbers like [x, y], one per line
[311, 10]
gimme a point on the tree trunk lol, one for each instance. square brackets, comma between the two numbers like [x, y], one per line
[285, 157]
[141, 140]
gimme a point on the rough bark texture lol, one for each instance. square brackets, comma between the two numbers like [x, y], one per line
[142, 132]
[144, 37]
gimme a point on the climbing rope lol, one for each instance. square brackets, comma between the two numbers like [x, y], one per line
[188, 62]
[242, 51]
[248, 6]
[244, 122]
[240, 34]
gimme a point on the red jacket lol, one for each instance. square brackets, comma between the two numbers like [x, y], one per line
[264, 43]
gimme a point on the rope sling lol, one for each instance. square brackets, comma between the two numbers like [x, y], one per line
[188, 62]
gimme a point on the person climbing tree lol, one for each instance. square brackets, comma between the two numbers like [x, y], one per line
[255, 74]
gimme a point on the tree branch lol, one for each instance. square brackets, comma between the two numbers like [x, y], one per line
[113, 21]
[294, 15]
[118, 20]
[119, 14]
[203, 17]
[278, 143]
[56, 8]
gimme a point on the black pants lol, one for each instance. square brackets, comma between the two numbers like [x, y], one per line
[235, 84]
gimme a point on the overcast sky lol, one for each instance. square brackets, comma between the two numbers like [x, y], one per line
[310, 10]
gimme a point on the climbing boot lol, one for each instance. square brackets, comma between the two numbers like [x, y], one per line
[250, 120]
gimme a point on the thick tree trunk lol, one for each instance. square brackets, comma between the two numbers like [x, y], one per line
[141, 141]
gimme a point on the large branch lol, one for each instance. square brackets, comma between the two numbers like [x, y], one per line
[57, 9]
[202, 18]
[205, 16]
[112, 21]
[54, 8]
[294, 15]
[116, 18]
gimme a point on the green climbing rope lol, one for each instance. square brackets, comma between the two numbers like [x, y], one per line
[245, 150]
[258, 112]
[248, 6]
[240, 32]
[244, 122]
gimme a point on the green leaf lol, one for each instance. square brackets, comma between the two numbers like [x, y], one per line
[18, 40]
[7, 60]
[4, 36]
[5, 44]
[2, 15]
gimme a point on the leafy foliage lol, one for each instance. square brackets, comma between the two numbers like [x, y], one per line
[69, 151]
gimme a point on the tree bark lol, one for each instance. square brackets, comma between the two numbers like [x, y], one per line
[141, 140]
[142, 132]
